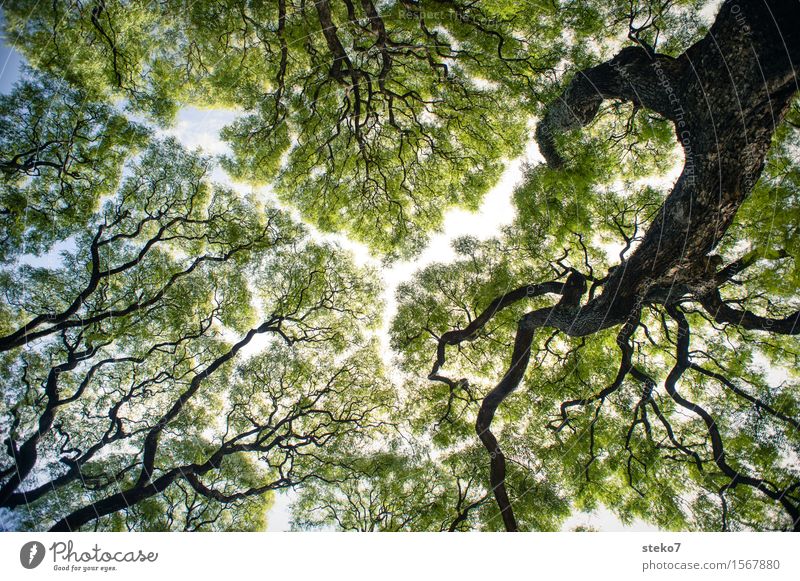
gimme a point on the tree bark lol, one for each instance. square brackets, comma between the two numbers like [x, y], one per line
[725, 95]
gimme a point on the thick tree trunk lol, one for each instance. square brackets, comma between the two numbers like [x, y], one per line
[725, 96]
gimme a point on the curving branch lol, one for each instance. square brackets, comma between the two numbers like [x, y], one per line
[572, 289]
[471, 331]
[737, 477]
[634, 75]
[497, 474]
[724, 114]
[722, 312]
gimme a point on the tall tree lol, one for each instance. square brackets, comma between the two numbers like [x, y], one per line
[130, 397]
[654, 326]
[687, 305]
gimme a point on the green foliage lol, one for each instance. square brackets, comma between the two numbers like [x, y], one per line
[130, 338]
[167, 336]
[60, 153]
[373, 120]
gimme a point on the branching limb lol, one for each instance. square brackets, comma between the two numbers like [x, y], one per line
[722, 312]
[471, 331]
[737, 477]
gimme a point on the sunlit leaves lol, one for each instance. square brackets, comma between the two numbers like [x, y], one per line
[122, 353]
[372, 119]
[60, 153]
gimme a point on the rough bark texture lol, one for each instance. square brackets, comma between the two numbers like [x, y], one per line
[725, 95]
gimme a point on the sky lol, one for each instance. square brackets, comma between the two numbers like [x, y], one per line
[10, 61]
[196, 128]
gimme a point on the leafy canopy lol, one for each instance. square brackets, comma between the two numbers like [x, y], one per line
[371, 118]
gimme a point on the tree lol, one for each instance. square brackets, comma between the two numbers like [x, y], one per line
[370, 119]
[649, 322]
[668, 299]
[128, 401]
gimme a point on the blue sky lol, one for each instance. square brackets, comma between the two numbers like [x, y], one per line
[10, 62]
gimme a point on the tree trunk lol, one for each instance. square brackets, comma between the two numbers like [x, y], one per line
[725, 95]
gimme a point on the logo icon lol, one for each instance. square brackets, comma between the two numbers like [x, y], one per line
[31, 554]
